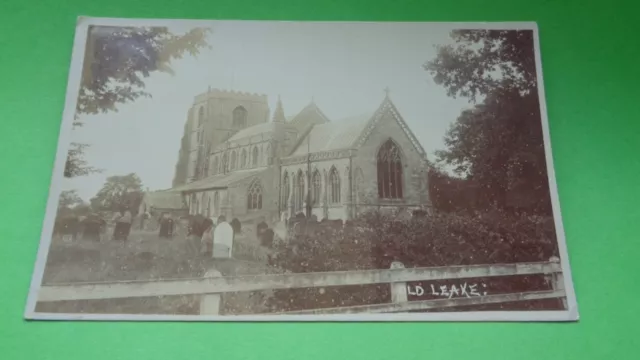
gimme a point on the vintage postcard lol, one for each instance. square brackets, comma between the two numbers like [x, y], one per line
[303, 171]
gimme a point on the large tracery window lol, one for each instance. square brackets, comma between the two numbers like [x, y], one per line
[239, 117]
[315, 188]
[254, 196]
[334, 186]
[285, 191]
[389, 171]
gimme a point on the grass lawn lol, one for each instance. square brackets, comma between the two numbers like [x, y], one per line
[143, 257]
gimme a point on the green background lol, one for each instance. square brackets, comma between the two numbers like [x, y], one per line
[590, 52]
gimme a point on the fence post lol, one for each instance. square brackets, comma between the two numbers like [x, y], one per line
[210, 303]
[398, 289]
[557, 280]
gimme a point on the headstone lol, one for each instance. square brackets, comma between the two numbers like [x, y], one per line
[222, 241]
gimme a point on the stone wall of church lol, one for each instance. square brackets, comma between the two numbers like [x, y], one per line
[237, 206]
[232, 202]
[325, 207]
[212, 116]
[414, 176]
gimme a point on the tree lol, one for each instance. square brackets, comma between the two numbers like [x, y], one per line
[119, 192]
[498, 144]
[116, 62]
[69, 199]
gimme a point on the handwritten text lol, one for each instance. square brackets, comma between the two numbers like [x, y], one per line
[448, 291]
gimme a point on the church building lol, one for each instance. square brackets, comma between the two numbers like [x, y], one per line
[238, 161]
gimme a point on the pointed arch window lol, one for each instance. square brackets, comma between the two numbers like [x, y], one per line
[285, 191]
[206, 168]
[214, 167]
[243, 159]
[254, 196]
[389, 171]
[216, 202]
[315, 187]
[299, 191]
[268, 155]
[254, 156]
[225, 163]
[239, 117]
[200, 116]
[334, 186]
[233, 160]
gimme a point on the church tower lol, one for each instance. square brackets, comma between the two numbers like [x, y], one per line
[213, 118]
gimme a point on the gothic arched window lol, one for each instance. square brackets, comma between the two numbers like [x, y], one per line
[315, 187]
[214, 167]
[239, 117]
[299, 191]
[254, 156]
[389, 171]
[233, 160]
[334, 186]
[216, 202]
[206, 168]
[225, 163]
[243, 159]
[200, 116]
[268, 155]
[254, 196]
[285, 191]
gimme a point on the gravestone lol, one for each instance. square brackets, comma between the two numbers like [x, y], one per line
[222, 241]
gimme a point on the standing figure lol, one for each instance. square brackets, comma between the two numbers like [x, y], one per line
[166, 226]
[207, 237]
[127, 219]
[92, 227]
[117, 230]
[194, 235]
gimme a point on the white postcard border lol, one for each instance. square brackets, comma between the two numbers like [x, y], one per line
[73, 87]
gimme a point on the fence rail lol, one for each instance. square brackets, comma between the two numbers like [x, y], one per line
[212, 286]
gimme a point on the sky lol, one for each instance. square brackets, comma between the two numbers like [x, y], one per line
[343, 67]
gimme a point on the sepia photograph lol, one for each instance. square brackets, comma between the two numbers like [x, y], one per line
[303, 171]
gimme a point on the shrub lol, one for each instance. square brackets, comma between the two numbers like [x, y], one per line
[376, 240]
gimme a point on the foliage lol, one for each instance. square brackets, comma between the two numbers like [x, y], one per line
[76, 165]
[69, 199]
[376, 240]
[116, 62]
[119, 58]
[118, 193]
[498, 144]
[70, 204]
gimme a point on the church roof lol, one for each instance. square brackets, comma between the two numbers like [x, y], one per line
[335, 135]
[310, 113]
[352, 132]
[254, 130]
[163, 200]
[220, 181]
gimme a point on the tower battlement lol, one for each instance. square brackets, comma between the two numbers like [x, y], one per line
[230, 94]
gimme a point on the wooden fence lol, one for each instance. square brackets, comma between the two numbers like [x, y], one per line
[213, 286]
